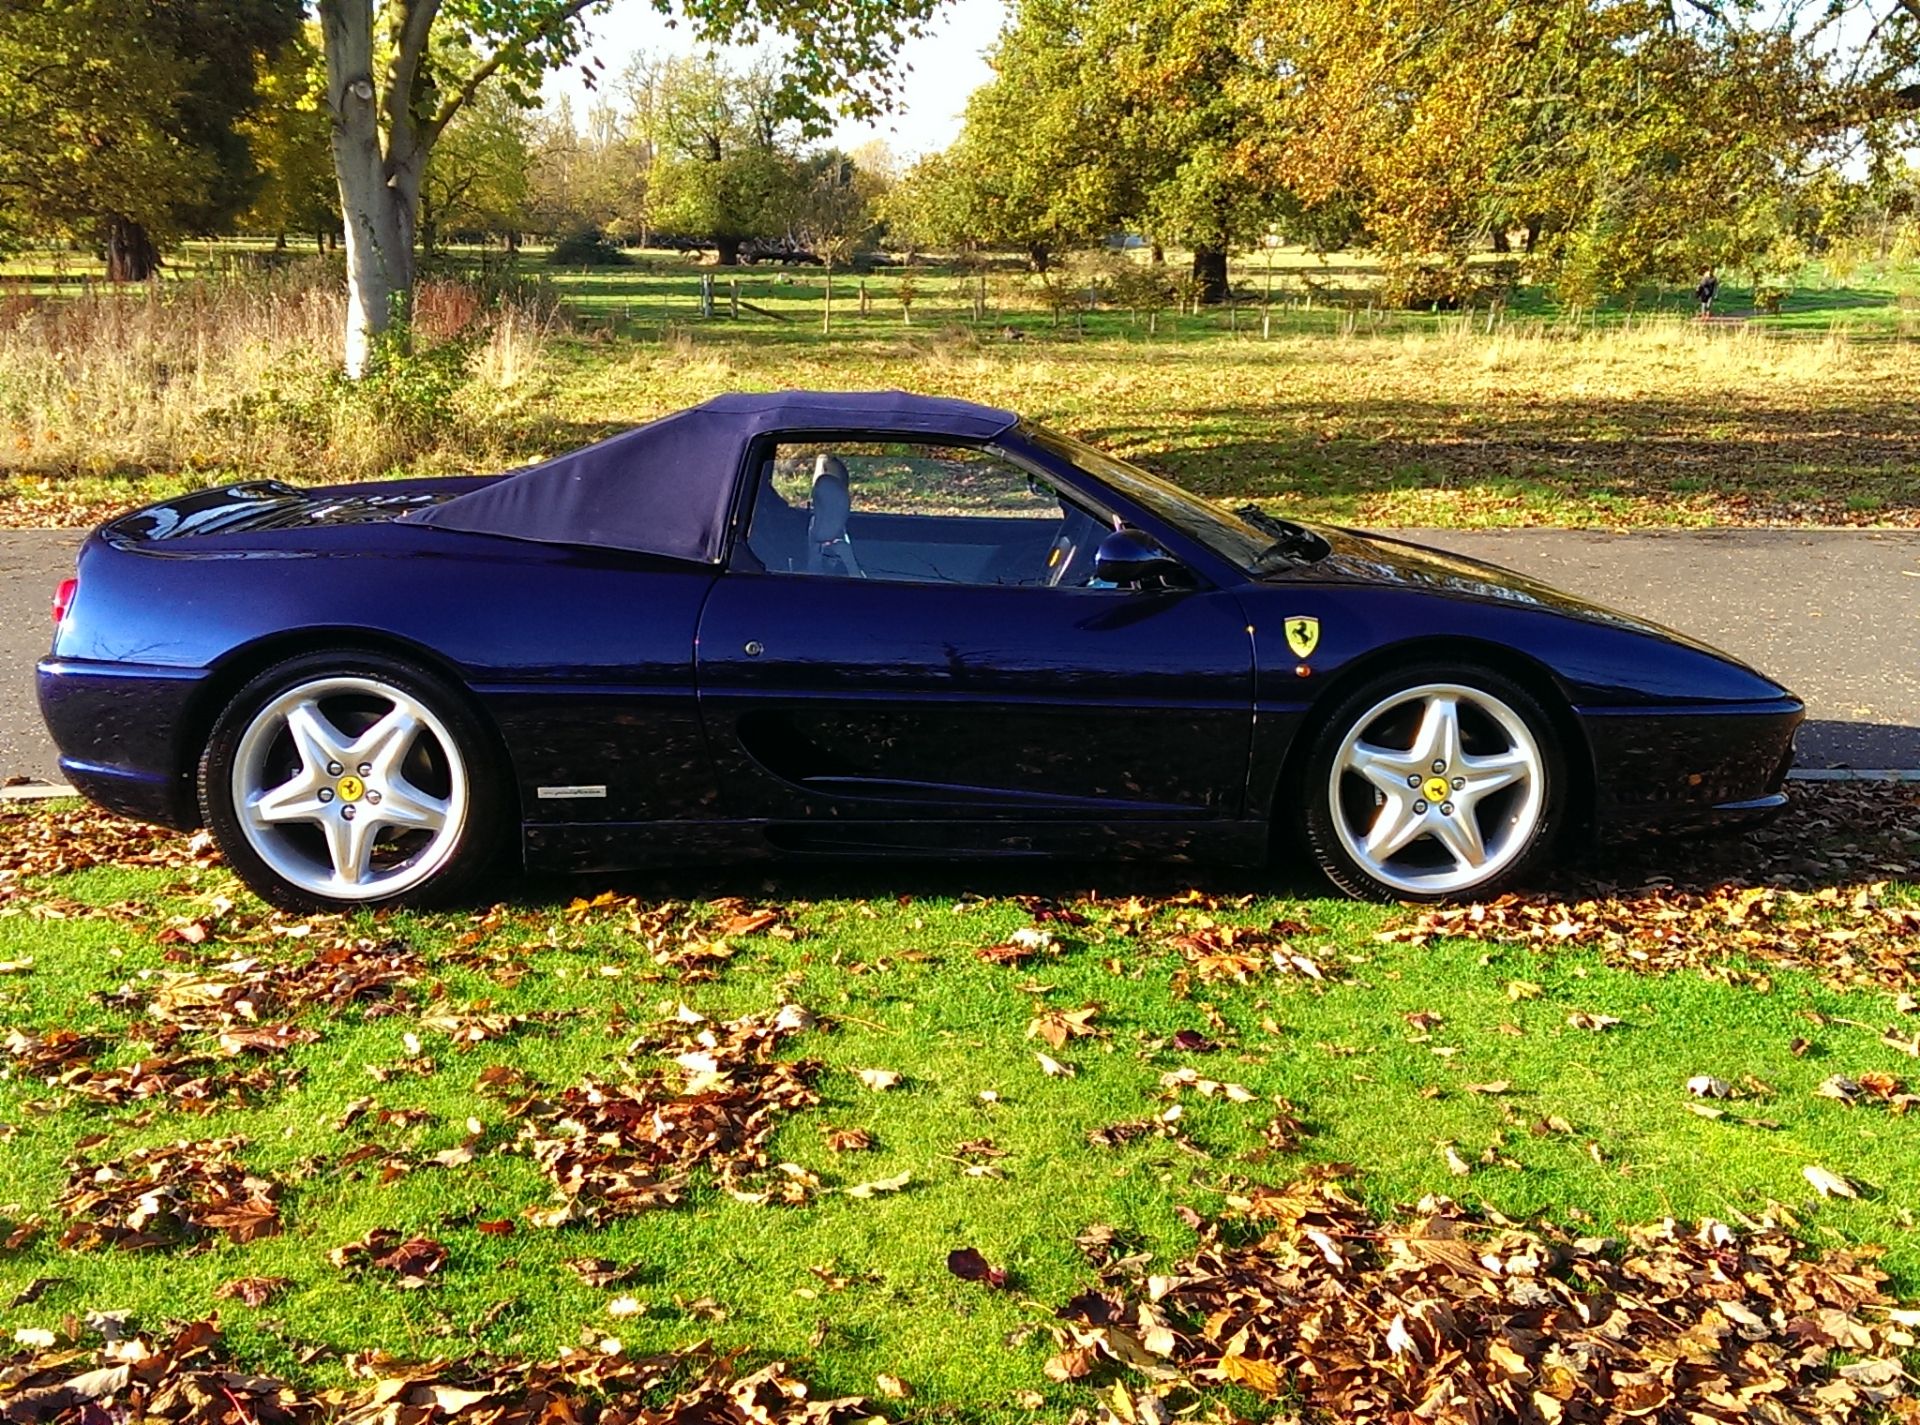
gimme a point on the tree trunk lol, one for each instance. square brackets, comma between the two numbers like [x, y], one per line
[727, 251]
[1533, 235]
[1158, 256]
[131, 255]
[379, 197]
[1501, 242]
[1038, 258]
[1210, 273]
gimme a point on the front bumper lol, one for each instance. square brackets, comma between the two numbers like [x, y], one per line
[127, 734]
[1686, 768]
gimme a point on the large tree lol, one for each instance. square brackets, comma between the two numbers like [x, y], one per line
[1627, 145]
[724, 154]
[391, 96]
[1107, 114]
[125, 120]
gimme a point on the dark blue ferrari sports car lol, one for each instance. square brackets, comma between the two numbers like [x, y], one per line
[827, 624]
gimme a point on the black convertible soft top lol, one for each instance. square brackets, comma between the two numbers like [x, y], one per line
[667, 487]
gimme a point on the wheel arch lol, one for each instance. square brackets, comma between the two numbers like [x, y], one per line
[242, 665]
[1528, 672]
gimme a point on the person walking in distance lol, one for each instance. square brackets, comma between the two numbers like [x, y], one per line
[1704, 294]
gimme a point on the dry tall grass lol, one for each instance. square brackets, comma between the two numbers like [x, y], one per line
[239, 375]
[1466, 420]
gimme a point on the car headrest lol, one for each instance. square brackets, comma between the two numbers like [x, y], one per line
[831, 501]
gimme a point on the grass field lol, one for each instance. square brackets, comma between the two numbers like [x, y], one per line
[1209, 1040]
[1320, 405]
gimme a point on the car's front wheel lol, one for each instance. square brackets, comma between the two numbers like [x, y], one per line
[1433, 783]
[340, 780]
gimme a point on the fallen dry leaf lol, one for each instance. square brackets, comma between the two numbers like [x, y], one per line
[967, 1264]
[1828, 1184]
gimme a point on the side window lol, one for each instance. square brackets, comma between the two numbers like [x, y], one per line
[915, 511]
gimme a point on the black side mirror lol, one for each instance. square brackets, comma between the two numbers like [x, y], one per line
[1128, 557]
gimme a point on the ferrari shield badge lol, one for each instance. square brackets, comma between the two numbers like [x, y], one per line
[1303, 635]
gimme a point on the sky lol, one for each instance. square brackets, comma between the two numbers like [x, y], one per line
[942, 69]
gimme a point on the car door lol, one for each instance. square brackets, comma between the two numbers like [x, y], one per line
[943, 670]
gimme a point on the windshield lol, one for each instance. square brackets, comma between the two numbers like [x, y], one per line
[1253, 542]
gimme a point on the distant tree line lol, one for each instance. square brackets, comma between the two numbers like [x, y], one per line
[1604, 144]
[1599, 144]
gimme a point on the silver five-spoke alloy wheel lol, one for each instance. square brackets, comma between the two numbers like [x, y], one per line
[349, 788]
[1437, 789]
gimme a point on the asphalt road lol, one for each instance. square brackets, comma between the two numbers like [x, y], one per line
[1833, 614]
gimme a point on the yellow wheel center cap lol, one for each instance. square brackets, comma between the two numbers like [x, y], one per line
[1435, 790]
[350, 789]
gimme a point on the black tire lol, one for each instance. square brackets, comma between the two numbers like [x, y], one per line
[470, 848]
[1314, 788]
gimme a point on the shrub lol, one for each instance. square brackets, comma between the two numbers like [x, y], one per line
[587, 248]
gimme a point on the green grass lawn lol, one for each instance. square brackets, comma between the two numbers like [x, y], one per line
[1391, 1055]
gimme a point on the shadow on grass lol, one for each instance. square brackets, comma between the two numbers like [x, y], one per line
[1845, 462]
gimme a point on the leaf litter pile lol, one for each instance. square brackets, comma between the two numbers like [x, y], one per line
[1447, 1316]
[611, 1150]
[1809, 891]
[189, 1378]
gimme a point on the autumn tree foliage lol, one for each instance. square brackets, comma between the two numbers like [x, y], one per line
[1608, 142]
[125, 122]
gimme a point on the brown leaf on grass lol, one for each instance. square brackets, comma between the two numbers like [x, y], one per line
[847, 1140]
[892, 1387]
[1580, 1019]
[739, 920]
[1021, 946]
[413, 1261]
[252, 1291]
[1074, 1363]
[598, 1272]
[264, 1038]
[1286, 1130]
[173, 1195]
[878, 1080]
[967, 1264]
[471, 1028]
[1114, 1134]
[1358, 1319]
[51, 1055]
[1057, 1026]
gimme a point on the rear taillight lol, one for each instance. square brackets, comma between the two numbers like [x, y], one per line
[63, 599]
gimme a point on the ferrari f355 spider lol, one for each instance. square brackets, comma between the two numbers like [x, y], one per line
[861, 625]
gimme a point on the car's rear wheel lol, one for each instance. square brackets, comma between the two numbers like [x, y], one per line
[334, 781]
[1433, 783]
